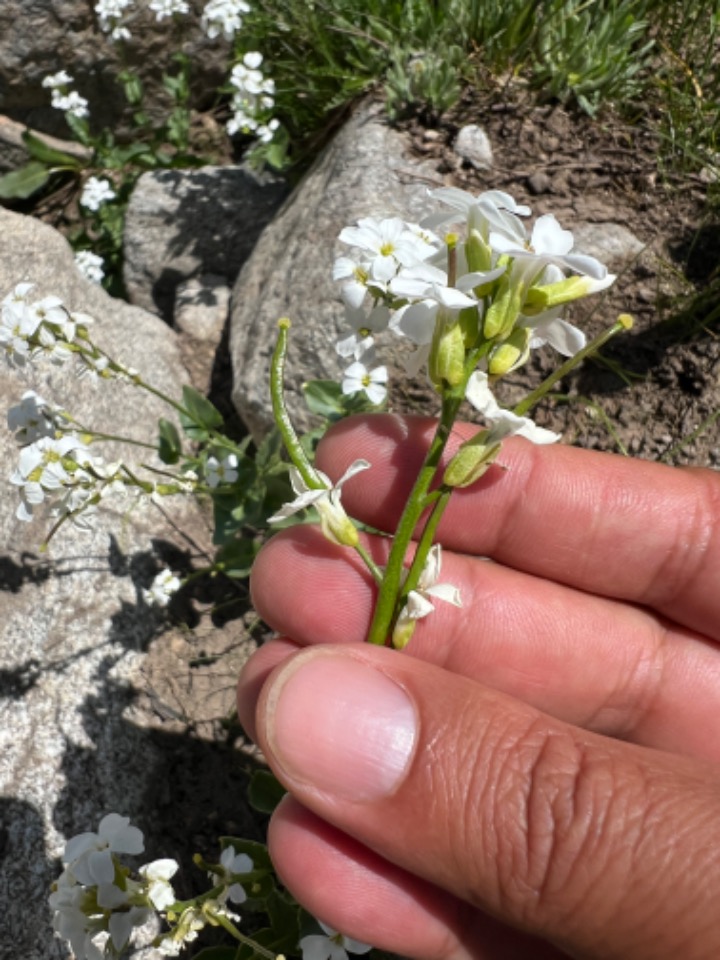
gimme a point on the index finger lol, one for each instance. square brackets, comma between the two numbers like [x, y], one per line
[621, 528]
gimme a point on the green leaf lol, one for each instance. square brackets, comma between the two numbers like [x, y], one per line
[24, 182]
[265, 791]
[325, 398]
[202, 415]
[257, 851]
[40, 150]
[236, 557]
[170, 444]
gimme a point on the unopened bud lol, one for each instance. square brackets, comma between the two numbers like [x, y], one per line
[447, 354]
[510, 354]
[337, 526]
[477, 253]
[402, 634]
[471, 461]
[503, 312]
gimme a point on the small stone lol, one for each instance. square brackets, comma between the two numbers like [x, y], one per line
[538, 183]
[473, 145]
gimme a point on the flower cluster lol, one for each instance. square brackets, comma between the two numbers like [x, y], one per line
[90, 265]
[110, 16]
[95, 902]
[168, 8]
[483, 297]
[223, 17]
[96, 192]
[252, 99]
[62, 97]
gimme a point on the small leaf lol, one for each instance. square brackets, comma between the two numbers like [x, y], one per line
[202, 415]
[24, 182]
[42, 151]
[265, 791]
[324, 397]
[236, 557]
[170, 444]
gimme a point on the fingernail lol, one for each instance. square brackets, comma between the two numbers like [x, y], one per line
[340, 725]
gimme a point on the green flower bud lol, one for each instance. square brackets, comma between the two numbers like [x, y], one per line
[510, 354]
[338, 527]
[471, 461]
[402, 634]
[539, 299]
[503, 312]
[478, 253]
[447, 354]
[469, 320]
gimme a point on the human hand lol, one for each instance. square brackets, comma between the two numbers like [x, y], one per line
[539, 776]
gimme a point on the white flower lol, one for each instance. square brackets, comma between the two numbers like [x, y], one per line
[491, 206]
[162, 589]
[232, 865]
[158, 874]
[266, 131]
[96, 192]
[60, 79]
[43, 468]
[115, 835]
[17, 325]
[223, 471]
[363, 325]
[32, 418]
[419, 601]
[357, 377]
[90, 265]
[167, 8]
[391, 243]
[336, 525]
[505, 422]
[70, 102]
[109, 14]
[548, 244]
[223, 17]
[330, 945]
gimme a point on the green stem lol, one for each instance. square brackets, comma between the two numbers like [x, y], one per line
[374, 569]
[623, 322]
[424, 545]
[228, 925]
[391, 585]
[282, 418]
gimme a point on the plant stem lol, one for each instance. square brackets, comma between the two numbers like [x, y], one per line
[624, 322]
[282, 418]
[385, 608]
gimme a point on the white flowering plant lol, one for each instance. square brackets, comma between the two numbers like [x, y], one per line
[101, 175]
[99, 902]
[472, 291]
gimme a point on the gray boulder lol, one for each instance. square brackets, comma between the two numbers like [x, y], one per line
[183, 223]
[365, 171]
[75, 629]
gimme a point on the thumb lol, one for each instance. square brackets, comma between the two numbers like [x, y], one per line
[604, 848]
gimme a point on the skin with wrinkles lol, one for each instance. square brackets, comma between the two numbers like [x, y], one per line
[563, 793]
